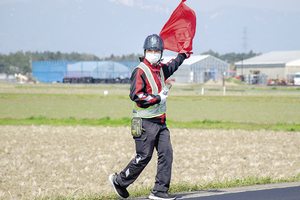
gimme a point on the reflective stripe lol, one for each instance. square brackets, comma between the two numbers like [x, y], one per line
[149, 77]
[157, 109]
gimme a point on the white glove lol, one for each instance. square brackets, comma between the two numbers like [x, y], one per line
[163, 97]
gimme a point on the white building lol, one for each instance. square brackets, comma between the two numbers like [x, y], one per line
[292, 67]
[276, 65]
[199, 69]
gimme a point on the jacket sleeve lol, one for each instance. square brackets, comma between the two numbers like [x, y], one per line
[173, 65]
[138, 90]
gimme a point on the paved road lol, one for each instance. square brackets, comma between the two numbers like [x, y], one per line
[278, 191]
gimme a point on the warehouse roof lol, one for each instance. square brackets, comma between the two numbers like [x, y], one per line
[275, 57]
[82, 65]
[294, 63]
[191, 60]
[99, 65]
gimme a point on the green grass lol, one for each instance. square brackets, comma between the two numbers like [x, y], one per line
[230, 183]
[236, 98]
[39, 96]
[28, 96]
[71, 121]
[80, 108]
[241, 109]
[72, 86]
[235, 111]
[125, 121]
[183, 187]
[208, 124]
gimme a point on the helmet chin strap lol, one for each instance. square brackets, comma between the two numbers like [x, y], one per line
[158, 62]
[160, 57]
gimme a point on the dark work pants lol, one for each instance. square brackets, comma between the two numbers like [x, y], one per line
[158, 136]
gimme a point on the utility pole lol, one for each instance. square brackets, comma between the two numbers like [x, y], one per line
[103, 54]
[224, 73]
[242, 66]
[245, 40]
[30, 60]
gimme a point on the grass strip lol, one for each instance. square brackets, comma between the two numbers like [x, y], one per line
[210, 124]
[247, 181]
[71, 121]
[29, 96]
[125, 121]
[183, 187]
[236, 98]
[241, 84]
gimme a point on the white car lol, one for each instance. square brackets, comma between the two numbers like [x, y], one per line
[297, 78]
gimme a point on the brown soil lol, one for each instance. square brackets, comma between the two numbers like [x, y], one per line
[58, 160]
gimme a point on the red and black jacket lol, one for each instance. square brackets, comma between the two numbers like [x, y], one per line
[140, 89]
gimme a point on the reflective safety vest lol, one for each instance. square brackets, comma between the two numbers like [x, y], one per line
[157, 109]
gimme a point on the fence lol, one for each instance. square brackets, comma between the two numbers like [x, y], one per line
[260, 79]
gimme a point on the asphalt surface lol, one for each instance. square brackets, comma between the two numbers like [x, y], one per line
[278, 191]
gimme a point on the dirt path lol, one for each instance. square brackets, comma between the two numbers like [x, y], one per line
[52, 160]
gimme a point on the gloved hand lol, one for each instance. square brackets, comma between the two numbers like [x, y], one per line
[163, 97]
[188, 54]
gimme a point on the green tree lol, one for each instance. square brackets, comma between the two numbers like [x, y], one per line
[231, 58]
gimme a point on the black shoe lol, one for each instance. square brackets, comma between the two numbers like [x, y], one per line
[161, 195]
[121, 191]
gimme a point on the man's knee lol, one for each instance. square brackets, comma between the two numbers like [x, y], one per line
[143, 159]
[166, 153]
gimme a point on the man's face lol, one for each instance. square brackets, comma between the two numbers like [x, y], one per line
[153, 56]
[153, 51]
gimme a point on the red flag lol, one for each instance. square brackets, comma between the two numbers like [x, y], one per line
[179, 31]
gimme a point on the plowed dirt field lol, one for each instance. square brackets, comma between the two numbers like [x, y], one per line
[59, 160]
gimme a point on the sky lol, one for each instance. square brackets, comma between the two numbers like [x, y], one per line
[120, 27]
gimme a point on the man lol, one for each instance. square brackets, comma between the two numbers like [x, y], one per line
[149, 93]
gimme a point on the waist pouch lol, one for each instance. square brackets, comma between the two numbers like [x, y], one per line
[136, 127]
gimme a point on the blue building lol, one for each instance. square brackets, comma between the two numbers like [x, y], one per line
[81, 71]
[49, 71]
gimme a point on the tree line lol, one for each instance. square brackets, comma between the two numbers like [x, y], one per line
[20, 62]
[231, 58]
